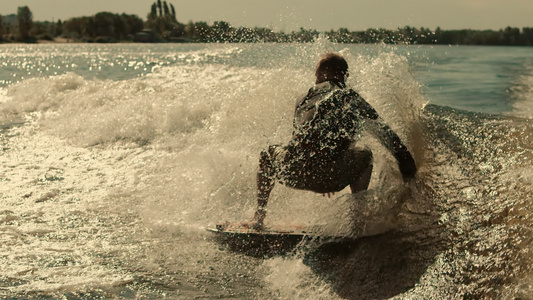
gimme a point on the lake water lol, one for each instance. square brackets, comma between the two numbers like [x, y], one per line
[116, 158]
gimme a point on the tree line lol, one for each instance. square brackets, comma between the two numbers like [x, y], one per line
[161, 25]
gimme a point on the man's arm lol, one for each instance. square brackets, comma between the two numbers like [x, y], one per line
[391, 141]
[387, 138]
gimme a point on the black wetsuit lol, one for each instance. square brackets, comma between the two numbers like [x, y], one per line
[321, 156]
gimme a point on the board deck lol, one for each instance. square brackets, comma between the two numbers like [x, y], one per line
[271, 240]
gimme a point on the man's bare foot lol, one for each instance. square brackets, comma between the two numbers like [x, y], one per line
[253, 224]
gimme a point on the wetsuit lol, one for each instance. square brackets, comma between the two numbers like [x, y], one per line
[321, 155]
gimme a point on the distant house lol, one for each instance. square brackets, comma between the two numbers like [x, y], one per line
[145, 36]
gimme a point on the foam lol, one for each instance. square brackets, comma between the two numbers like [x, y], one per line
[522, 94]
[292, 279]
[128, 169]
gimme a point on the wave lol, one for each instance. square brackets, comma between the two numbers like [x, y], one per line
[522, 94]
[214, 118]
[136, 168]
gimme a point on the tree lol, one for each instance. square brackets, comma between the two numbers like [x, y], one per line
[173, 10]
[510, 36]
[153, 12]
[25, 22]
[202, 31]
[166, 9]
[527, 33]
[104, 24]
[103, 27]
[1, 28]
[58, 29]
[160, 8]
[165, 24]
[222, 31]
[135, 24]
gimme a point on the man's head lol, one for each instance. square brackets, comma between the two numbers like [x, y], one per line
[331, 67]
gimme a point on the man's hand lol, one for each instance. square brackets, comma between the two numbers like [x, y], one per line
[408, 170]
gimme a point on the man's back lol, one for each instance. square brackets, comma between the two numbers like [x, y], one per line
[328, 120]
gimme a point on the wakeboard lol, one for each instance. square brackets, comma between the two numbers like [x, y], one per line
[272, 240]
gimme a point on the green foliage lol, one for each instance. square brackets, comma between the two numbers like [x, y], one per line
[1, 28]
[165, 25]
[173, 10]
[410, 35]
[161, 25]
[7, 28]
[103, 27]
[160, 8]
[166, 9]
[58, 28]
[25, 22]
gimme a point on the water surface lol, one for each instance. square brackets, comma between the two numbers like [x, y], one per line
[115, 158]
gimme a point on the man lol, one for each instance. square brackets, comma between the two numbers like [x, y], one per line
[322, 156]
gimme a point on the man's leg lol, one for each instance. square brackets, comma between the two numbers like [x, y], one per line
[363, 158]
[265, 184]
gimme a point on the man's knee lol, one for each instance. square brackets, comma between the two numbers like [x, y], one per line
[368, 157]
[362, 157]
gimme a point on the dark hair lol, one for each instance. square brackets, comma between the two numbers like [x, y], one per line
[333, 66]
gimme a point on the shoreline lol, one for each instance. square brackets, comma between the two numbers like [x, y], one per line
[63, 40]
[73, 42]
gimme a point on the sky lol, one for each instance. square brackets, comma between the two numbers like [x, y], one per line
[290, 15]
